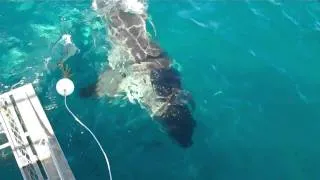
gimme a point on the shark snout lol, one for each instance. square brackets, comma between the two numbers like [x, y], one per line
[179, 124]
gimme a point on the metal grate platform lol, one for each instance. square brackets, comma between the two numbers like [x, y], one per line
[30, 136]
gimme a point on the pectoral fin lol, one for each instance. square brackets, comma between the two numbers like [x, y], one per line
[107, 85]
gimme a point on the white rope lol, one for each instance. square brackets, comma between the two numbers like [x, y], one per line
[83, 125]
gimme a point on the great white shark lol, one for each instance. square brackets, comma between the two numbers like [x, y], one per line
[139, 69]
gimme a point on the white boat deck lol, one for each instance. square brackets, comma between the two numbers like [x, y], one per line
[29, 133]
[1, 128]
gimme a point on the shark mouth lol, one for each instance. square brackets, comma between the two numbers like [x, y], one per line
[141, 71]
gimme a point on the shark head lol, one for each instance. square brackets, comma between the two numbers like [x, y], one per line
[176, 116]
[179, 124]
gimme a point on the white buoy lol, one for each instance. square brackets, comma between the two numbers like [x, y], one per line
[65, 87]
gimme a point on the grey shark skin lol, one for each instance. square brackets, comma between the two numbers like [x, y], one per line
[142, 72]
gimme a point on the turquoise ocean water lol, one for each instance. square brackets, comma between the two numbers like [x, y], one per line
[252, 67]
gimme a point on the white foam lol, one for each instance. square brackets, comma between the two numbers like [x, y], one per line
[26, 5]
[217, 93]
[20, 83]
[66, 38]
[194, 5]
[37, 78]
[46, 62]
[214, 25]
[275, 2]
[134, 6]
[184, 14]
[317, 25]
[301, 95]
[213, 67]
[94, 5]
[252, 52]
[293, 20]
[258, 13]
[199, 23]
[45, 31]
[176, 65]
